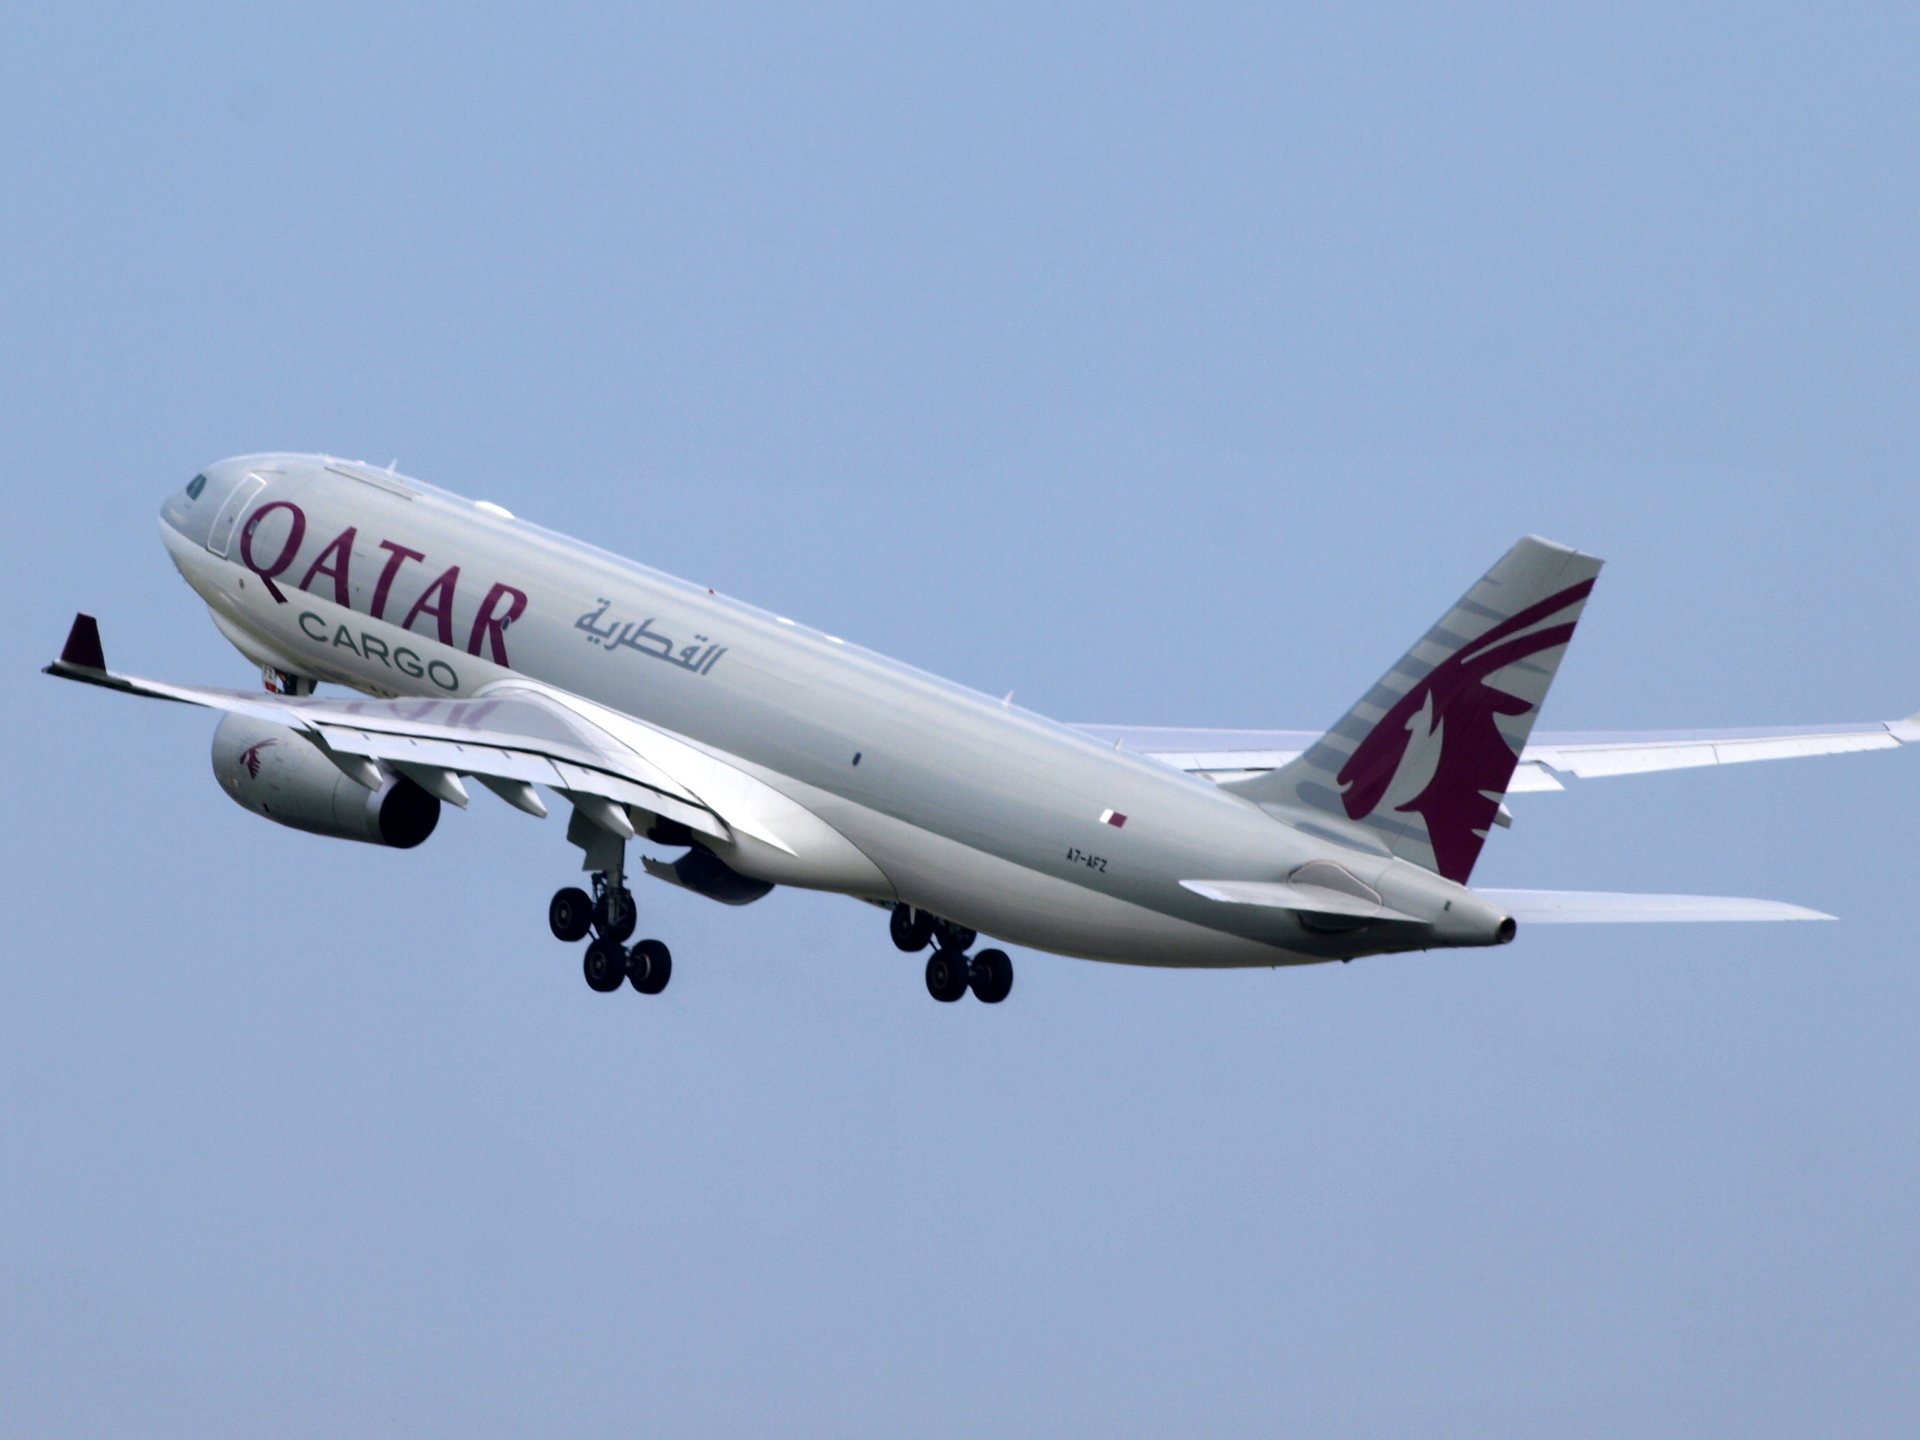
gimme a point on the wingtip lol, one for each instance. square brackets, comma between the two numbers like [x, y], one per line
[82, 650]
[1786, 910]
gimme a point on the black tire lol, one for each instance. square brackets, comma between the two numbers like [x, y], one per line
[990, 976]
[615, 915]
[911, 929]
[947, 976]
[570, 914]
[649, 967]
[949, 936]
[606, 966]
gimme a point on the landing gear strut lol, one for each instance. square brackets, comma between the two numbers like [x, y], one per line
[950, 972]
[949, 936]
[610, 913]
[614, 913]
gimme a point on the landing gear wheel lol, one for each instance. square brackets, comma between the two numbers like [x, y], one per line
[911, 929]
[947, 976]
[614, 915]
[949, 936]
[606, 966]
[990, 975]
[570, 914]
[649, 967]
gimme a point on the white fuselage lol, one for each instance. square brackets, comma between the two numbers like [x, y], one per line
[965, 806]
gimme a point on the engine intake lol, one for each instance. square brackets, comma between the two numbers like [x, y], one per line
[277, 772]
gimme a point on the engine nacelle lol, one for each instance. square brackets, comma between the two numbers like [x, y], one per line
[277, 772]
[705, 873]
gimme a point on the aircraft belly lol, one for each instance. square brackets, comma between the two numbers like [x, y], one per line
[1023, 906]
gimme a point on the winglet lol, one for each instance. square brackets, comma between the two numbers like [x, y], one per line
[82, 650]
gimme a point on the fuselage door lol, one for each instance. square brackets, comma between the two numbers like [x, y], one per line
[221, 535]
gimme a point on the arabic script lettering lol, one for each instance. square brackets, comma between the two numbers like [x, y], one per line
[642, 638]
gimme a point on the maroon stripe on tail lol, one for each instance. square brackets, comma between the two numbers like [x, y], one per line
[1474, 756]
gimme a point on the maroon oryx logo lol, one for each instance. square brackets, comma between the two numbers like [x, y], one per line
[1455, 707]
[250, 758]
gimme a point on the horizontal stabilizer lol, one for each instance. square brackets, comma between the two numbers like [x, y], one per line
[1595, 907]
[1291, 895]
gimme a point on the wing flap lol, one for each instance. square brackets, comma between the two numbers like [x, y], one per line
[1595, 907]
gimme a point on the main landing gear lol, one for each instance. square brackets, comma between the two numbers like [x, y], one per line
[611, 915]
[950, 971]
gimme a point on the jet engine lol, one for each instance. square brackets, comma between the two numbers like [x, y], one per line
[705, 873]
[277, 772]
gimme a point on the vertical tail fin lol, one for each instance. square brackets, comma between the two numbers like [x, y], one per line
[1426, 755]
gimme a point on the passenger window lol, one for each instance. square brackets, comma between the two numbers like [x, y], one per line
[195, 486]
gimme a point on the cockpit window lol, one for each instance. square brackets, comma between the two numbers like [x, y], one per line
[195, 486]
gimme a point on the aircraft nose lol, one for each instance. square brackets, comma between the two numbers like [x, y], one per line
[191, 510]
[186, 505]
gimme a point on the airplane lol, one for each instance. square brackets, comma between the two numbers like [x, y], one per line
[757, 752]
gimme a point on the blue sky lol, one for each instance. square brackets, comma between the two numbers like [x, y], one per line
[1160, 365]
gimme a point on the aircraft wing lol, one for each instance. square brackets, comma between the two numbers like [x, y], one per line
[1547, 762]
[510, 739]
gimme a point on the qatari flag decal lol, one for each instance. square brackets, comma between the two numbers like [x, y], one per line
[1113, 818]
